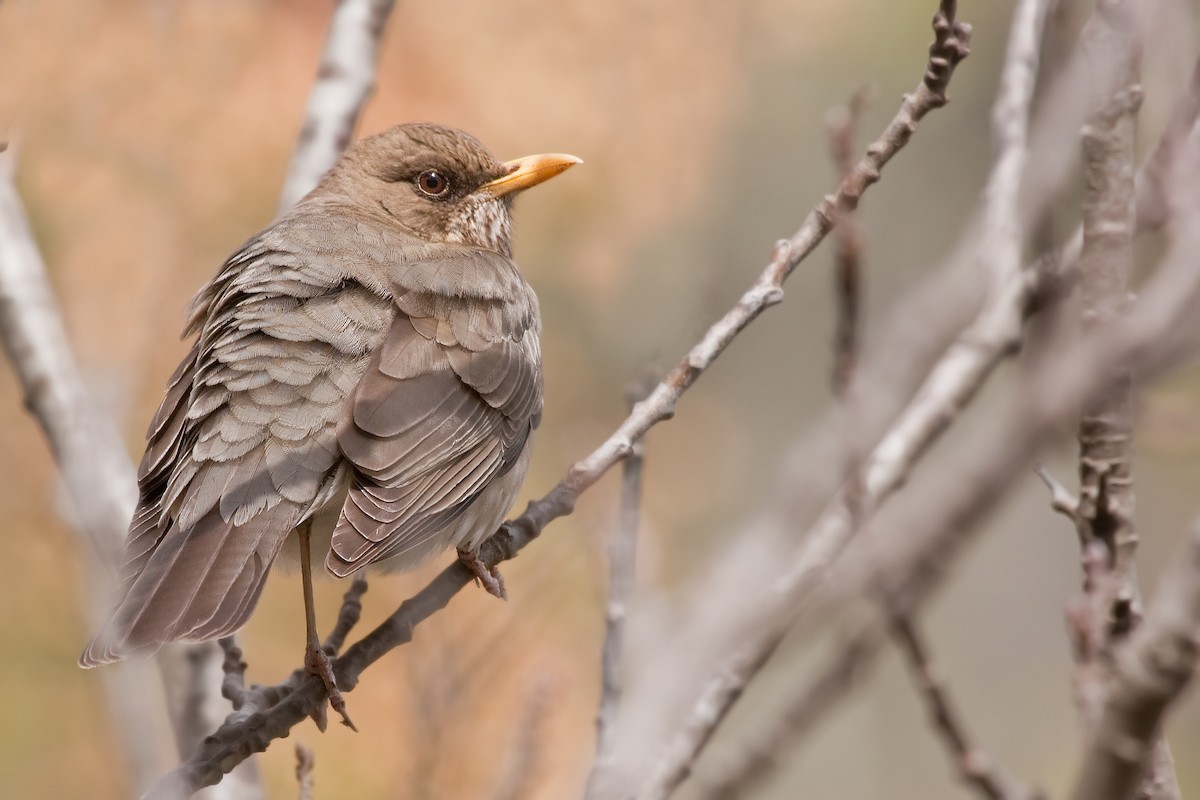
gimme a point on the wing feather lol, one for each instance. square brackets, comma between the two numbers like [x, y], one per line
[445, 406]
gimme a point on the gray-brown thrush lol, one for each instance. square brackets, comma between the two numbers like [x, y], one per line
[367, 375]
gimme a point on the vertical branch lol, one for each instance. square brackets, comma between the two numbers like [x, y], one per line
[884, 468]
[738, 775]
[344, 81]
[97, 474]
[1106, 428]
[100, 480]
[622, 573]
[1151, 669]
[842, 124]
[1110, 606]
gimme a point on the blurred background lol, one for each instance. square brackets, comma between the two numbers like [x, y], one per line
[152, 140]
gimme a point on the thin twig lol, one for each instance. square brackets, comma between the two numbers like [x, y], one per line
[737, 775]
[842, 124]
[344, 81]
[348, 616]
[972, 763]
[622, 577]
[236, 740]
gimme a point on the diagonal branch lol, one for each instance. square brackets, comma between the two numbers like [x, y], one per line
[345, 78]
[973, 764]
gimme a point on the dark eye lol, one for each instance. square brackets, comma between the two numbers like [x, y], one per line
[433, 183]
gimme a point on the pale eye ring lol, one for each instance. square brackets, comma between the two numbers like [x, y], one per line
[433, 183]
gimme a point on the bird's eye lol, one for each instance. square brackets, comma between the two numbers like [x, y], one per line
[433, 183]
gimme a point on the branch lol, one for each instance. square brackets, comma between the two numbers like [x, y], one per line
[98, 475]
[622, 571]
[802, 713]
[1151, 671]
[949, 386]
[842, 123]
[1111, 604]
[344, 81]
[973, 764]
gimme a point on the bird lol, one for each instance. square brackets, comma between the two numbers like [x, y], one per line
[364, 382]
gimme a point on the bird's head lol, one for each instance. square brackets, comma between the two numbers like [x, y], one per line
[441, 183]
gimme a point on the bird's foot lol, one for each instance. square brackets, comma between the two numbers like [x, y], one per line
[316, 661]
[488, 577]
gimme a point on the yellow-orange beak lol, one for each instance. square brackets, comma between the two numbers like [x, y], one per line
[529, 171]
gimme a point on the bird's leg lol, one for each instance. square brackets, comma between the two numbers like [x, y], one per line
[489, 577]
[316, 660]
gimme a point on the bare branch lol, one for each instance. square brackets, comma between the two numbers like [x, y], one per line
[1151, 670]
[947, 515]
[973, 764]
[950, 385]
[735, 776]
[1111, 603]
[622, 572]
[344, 81]
[98, 475]
[348, 616]
[842, 123]
[846, 670]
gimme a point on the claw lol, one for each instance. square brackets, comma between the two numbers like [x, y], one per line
[488, 577]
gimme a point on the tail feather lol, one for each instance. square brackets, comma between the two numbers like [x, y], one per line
[195, 585]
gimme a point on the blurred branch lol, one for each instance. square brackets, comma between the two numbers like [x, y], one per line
[348, 616]
[519, 780]
[1153, 179]
[622, 575]
[344, 81]
[100, 481]
[944, 518]
[842, 123]
[973, 764]
[1110, 606]
[837, 678]
[801, 713]
[949, 387]
[238, 738]
[1151, 670]
[946, 514]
